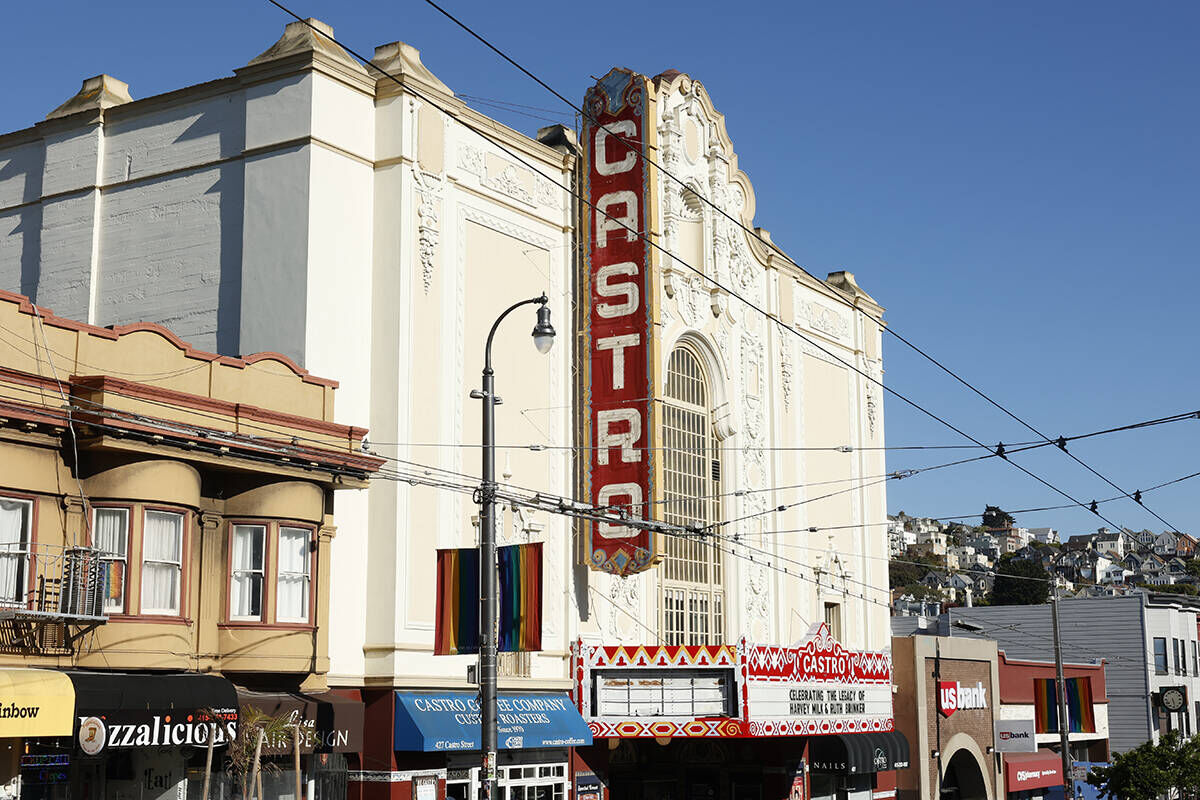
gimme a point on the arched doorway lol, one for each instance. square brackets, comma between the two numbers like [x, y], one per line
[963, 779]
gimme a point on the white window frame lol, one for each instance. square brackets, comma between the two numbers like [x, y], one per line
[21, 554]
[307, 574]
[178, 565]
[692, 577]
[108, 556]
[235, 571]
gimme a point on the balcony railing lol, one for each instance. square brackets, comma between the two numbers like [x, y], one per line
[49, 595]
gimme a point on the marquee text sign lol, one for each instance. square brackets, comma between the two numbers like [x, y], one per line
[618, 319]
[817, 688]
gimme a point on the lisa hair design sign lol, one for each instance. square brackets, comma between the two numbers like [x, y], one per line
[618, 320]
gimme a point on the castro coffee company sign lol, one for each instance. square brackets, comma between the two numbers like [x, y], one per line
[954, 696]
[618, 320]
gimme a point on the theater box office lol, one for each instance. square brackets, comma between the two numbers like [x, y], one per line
[743, 722]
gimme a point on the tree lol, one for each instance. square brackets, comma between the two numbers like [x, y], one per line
[1020, 583]
[244, 757]
[1151, 770]
[955, 533]
[996, 517]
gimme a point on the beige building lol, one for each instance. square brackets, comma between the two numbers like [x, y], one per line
[165, 518]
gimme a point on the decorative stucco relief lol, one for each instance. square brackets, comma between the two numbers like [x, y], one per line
[511, 180]
[823, 319]
[429, 199]
[786, 368]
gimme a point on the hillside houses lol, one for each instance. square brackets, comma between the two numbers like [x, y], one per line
[964, 560]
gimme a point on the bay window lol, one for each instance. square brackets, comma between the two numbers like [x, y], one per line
[270, 573]
[162, 562]
[110, 535]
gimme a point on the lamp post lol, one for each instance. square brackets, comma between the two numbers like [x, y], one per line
[543, 339]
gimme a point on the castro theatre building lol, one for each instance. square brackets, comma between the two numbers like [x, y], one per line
[748, 659]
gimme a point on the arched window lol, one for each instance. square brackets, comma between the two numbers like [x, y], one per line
[693, 594]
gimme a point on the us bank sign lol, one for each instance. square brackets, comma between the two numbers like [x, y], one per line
[618, 320]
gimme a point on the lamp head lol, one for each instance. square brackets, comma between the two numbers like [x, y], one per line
[543, 331]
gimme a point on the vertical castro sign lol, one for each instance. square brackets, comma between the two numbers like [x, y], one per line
[618, 321]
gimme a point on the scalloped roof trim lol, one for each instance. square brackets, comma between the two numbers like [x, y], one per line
[115, 332]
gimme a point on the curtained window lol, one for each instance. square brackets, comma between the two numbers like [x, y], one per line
[291, 601]
[110, 534]
[162, 562]
[15, 517]
[248, 559]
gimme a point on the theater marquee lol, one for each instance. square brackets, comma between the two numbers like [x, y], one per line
[618, 321]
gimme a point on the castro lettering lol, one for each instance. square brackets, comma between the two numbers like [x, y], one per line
[620, 377]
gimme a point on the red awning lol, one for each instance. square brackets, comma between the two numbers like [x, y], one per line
[1032, 770]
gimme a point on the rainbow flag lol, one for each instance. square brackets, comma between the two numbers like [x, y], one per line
[115, 580]
[456, 629]
[1080, 714]
[520, 597]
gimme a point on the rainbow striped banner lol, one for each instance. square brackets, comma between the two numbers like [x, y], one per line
[1080, 714]
[520, 597]
[456, 630]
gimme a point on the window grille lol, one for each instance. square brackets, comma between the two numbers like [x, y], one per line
[692, 570]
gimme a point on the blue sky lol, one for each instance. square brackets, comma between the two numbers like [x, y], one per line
[1016, 182]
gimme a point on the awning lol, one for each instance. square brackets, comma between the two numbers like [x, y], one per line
[1032, 770]
[859, 753]
[440, 721]
[329, 723]
[123, 710]
[36, 702]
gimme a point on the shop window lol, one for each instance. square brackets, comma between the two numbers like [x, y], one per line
[15, 526]
[247, 562]
[1160, 655]
[291, 600]
[162, 562]
[110, 535]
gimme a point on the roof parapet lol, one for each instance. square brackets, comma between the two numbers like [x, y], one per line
[403, 61]
[99, 92]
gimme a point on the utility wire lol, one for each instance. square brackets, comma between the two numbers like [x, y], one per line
[773, 247]
[652, 243]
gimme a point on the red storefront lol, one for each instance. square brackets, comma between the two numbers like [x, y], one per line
[738, 722]
[1025, 773]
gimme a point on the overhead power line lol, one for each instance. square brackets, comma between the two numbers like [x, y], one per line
[776, 249]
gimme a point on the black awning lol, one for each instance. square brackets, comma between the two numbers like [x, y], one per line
[107, 693]
[859, 753]
[119, 710]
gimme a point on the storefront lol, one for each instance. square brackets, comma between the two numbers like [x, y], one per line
[324, 727]
[144, 736]
[741, 722]
[947, 707]
[1028, 776]
[34, 703]
[436, 741]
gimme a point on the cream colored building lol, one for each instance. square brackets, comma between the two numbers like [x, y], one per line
[362, 226]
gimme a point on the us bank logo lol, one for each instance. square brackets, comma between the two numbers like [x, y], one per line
[954, 696]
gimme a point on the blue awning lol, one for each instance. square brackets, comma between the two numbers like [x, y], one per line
[440, 721]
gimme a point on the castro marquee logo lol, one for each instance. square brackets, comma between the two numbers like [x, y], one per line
[954, 696]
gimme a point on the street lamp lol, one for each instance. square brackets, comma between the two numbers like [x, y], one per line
[543, 340]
